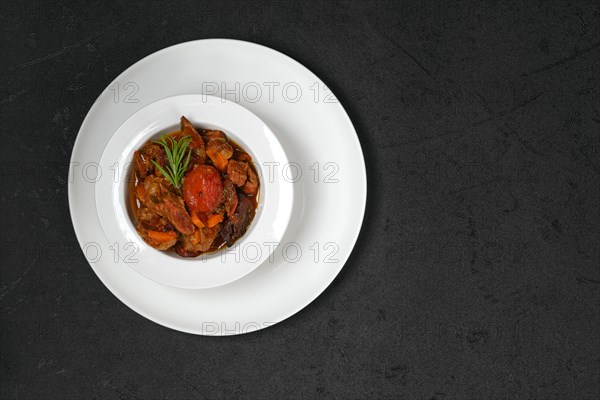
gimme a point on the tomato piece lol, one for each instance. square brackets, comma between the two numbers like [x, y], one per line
[203, 189]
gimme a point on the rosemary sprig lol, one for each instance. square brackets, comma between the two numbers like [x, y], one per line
[175, 151]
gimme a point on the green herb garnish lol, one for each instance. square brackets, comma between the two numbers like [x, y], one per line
[175, 153]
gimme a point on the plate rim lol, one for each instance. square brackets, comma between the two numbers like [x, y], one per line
[325, 283]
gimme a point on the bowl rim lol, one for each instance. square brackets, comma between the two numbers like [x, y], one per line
[124, 190]
[120, 189]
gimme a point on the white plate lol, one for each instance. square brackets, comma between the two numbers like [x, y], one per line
[326, 165]
[210, 270]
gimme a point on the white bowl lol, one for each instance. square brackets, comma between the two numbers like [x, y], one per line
[213, 269]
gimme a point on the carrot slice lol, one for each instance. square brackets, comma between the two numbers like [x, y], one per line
[162, 236]
[195, 219]
[140, 192]
[196, 237]
[214, 219]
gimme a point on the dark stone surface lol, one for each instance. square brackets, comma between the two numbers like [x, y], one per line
[476, 274]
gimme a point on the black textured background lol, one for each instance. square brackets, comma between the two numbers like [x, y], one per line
[476, 274]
